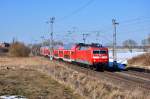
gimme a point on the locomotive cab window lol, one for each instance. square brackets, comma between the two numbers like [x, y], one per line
[83, 48]
[95, 52]
[103, 52]
[100, 52]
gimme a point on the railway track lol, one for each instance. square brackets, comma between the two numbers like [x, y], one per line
[130, 80]
[125, 79]
[140, 75]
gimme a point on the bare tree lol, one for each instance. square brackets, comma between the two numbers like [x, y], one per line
[146, 43]
[130, 44]
[148, 40]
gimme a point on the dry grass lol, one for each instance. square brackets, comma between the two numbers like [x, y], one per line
[33, 85]
[143, 60]
[86, 86]
[92, 88]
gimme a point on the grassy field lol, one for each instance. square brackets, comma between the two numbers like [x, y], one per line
[37, 77]
[33, 85]
[140, 61]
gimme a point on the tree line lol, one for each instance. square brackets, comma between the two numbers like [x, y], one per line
[130, 44]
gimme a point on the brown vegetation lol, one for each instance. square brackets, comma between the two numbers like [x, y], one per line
[143, 60]
[85, 85]
[19, 49]
[33, 85]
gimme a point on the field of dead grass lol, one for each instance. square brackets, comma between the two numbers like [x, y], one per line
[33, 85]
[141, 60]
[86, 86]
[15, 79]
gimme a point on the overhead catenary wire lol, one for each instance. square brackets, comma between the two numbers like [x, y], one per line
[76, 11]
[129, 22]
[103, 36]
[136, 26]
[137, 29]
[134, 19]
[70, 37]
[137, 22]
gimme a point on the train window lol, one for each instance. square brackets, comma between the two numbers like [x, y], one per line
[103, 52]
[100, 52]
[72, 53]
[95, 52]
[60, 52]
[83, 48]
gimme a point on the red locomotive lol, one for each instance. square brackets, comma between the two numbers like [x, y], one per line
[93, 55]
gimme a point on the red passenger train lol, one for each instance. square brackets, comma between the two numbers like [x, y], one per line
[93, 55]
[44, 51]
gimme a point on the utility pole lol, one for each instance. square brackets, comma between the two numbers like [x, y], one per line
[42, 37]
[114, 23]
[97, 37]
[84, 37]
[14, 40]
[69, 36]
[51, 22]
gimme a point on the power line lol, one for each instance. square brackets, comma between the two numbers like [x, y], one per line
[108, 38]
[135, 20]
[137, 30]
[135, 27]
[77, 10]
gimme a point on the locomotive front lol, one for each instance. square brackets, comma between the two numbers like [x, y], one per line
[100, 57]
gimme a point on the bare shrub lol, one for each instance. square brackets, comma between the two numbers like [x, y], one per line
[19, 49]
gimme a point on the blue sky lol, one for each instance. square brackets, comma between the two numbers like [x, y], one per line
[26, 20]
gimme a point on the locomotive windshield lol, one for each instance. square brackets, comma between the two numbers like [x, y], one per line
[100, 52]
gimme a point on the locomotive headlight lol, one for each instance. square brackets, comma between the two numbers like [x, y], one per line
[96, 57]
